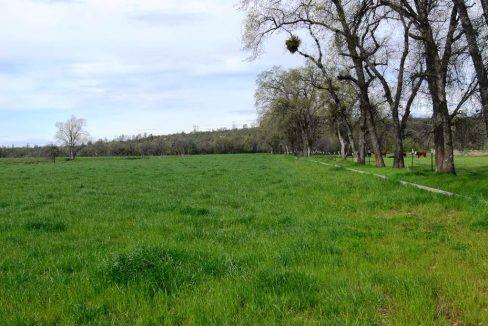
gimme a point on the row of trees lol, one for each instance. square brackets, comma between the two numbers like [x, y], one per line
[266, 138]
[367, 59]
[212, 142]
[223, 141]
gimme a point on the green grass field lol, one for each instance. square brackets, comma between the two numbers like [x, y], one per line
[471, 179]
[249, 239]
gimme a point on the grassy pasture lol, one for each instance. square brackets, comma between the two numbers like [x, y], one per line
[251, 239]
[471, 179]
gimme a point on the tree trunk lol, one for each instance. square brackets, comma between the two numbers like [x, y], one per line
[342, 142]
[364, 102]
[448, 164]
[438, 140]
[306, 148]
[350, 137]
[398, 161]
[341, 117]
[71, 153]
[375, 143]
[474, 51]
[361, 153]
[436, 83]
[444, 151]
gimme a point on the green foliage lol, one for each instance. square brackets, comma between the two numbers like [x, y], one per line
[293, 43]
[290, 108]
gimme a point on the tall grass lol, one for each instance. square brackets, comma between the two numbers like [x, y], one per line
[251, 239]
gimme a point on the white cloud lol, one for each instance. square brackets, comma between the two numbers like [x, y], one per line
[160, 62]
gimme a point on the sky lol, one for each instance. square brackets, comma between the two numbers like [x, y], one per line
[126, 66]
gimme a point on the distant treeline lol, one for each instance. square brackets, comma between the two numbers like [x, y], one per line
[467, 133]
[222, 141]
